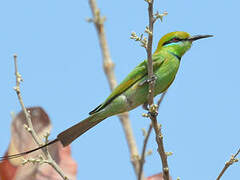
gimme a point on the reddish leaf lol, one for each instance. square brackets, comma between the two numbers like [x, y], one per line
[157, 177]
[22, 141]
[7, 170]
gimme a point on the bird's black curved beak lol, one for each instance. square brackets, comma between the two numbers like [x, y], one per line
[197, 37]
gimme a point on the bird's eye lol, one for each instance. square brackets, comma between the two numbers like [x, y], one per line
[175, 40]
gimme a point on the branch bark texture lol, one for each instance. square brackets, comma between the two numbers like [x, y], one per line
[228, 164]
[153, 112]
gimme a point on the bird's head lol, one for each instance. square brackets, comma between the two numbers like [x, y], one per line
[178, 42]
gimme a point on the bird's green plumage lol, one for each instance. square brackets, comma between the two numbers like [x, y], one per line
[137, 74]
[132, 92]
[165, 65]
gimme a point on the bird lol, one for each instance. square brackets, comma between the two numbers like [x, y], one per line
[133, 90]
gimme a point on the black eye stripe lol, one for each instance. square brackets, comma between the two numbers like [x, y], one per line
[175, 39]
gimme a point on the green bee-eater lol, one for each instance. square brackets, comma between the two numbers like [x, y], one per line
[132, 91]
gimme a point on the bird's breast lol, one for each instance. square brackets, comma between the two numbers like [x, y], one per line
[166, 74]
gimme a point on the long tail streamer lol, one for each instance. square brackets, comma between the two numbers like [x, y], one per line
[27, 152]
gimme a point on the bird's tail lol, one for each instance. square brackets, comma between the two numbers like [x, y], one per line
[68, 136]
[65, 137]
[27, 152]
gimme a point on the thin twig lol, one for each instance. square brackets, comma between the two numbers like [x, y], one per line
[161, 99]
[161, 151]
[30, 128]
[142, 160]
[153, 112]
[231, 161]
[108, 69]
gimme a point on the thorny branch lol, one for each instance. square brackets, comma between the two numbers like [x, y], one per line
[231, 161]
[30, 128]
[108, 69]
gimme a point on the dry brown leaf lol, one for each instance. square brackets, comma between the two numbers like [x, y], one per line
[22, 141]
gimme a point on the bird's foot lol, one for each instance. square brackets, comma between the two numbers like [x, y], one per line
[150, 80]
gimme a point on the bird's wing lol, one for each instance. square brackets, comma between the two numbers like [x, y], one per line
[138, 73]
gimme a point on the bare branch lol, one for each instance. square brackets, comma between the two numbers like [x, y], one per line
[149, 53]
[161, 99]
[231, 161]
[161, 151]
[142, 160]
[109, 71]
[152, 107]
[30, 128]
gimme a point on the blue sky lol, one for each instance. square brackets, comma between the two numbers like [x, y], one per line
[60, 61]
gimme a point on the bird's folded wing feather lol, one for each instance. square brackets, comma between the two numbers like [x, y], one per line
[138, 73]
